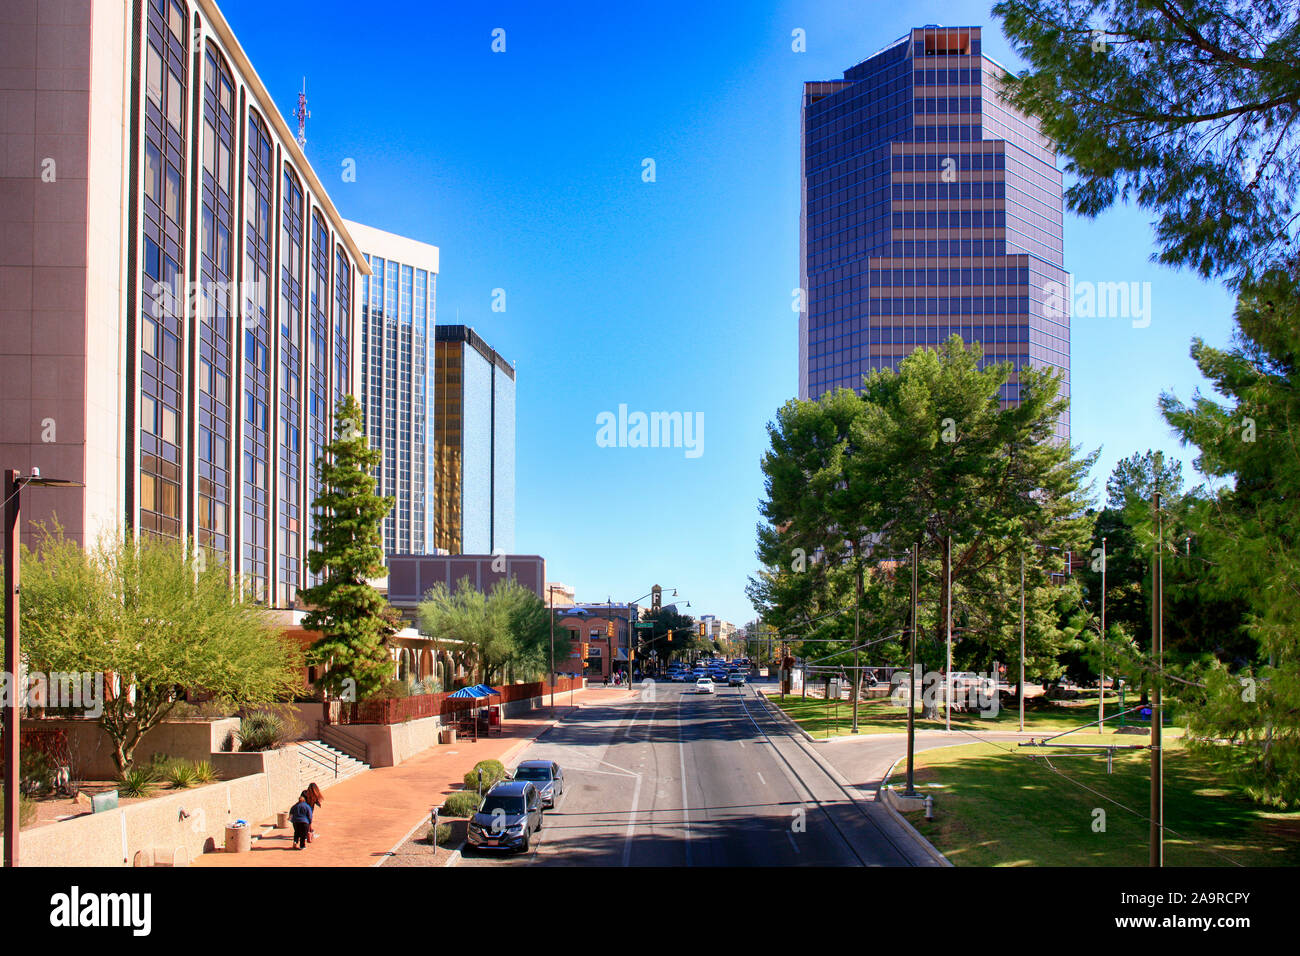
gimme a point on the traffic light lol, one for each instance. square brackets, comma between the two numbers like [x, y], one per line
[609, 628]
[701, 628]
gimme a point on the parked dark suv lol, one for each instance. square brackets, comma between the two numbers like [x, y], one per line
[509, 816]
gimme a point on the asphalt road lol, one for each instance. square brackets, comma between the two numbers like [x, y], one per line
[677, 778]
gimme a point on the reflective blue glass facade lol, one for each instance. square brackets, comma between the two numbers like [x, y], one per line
[397, 314]
[930, 208]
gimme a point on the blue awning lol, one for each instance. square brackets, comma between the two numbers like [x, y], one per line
[468, 692]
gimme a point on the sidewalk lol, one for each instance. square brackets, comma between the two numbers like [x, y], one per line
[364, 817]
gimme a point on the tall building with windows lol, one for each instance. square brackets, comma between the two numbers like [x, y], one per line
[930, 207]
[177, 286]
[396, 315]
[474, 445]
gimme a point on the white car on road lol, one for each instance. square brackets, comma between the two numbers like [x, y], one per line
[704, 686]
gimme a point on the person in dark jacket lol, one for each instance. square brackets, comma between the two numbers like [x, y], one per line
[300, 816]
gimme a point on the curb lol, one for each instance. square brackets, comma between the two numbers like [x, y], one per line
[926, 846]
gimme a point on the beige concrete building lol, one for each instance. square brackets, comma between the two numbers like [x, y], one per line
[176, 287]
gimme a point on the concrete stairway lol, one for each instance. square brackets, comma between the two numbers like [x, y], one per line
[324, 765]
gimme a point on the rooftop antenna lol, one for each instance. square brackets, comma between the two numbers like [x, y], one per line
[303, 115]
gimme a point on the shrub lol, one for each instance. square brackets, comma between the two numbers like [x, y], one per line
[137, 781]
[204, 771]
[439, 838]
[393, 688]
[27, 808]
[427, 686]
[494, 772]
[462, 804]
[180, 774]
[262, 730]
[35, 772]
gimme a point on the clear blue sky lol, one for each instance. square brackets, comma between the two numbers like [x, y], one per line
[525, 169]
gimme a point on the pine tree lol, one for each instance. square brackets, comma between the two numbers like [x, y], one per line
[352, 616]
[1183, 108]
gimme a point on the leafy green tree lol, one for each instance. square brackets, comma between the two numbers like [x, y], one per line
[925, 455]
[156, 619]
[467, 626]
[1185, 107]
[353, 618]
[1249, 529]
[528, 623]
[685, 632]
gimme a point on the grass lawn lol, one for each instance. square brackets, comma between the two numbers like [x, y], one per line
[879, 717]
[994, 808]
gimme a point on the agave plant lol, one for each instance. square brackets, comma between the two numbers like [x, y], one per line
[204, 772]
[180, 774]
[137, 781]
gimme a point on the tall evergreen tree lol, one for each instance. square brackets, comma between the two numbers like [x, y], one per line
[1184, 107]
[352, 616]
[1250, 531]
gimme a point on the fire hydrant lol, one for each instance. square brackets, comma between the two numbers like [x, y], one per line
[929, 807]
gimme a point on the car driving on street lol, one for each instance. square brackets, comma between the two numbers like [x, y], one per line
[704, 685]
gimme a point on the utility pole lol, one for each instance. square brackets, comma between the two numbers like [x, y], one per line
[1021, 693]
[1101, 684]
[857, 621]
[911, 683]
[1157, 833]
[550, 589]
[947, 586]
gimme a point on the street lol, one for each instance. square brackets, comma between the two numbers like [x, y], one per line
[677, 778]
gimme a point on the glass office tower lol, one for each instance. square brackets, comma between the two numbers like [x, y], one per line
[474, 445]
[397, 312]
[930, 207]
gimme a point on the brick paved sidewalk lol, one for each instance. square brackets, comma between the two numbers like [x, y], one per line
[364, 817]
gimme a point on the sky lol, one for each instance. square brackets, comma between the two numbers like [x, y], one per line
[527, 169]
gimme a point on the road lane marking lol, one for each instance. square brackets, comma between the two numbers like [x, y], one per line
[686, 807]
[631, 823]
[760, 779]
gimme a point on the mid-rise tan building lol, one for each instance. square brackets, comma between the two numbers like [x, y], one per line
[176, 287]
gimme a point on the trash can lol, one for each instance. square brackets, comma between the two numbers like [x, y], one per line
[494, 716]
[282, 819]
[239, 837]
[447, 735]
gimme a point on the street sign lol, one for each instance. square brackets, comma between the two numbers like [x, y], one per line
[644, 624]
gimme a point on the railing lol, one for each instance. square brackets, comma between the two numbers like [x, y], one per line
[319, 755]
[398, 710]
[350, 744]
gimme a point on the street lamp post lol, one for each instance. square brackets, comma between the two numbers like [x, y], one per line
[14, 484]
[1101, 684]
[911, 682]
[1157, 830]
[947, 561]
[1021, 693]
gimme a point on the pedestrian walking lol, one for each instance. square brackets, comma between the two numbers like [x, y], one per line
[300, 815]
[315, 798]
